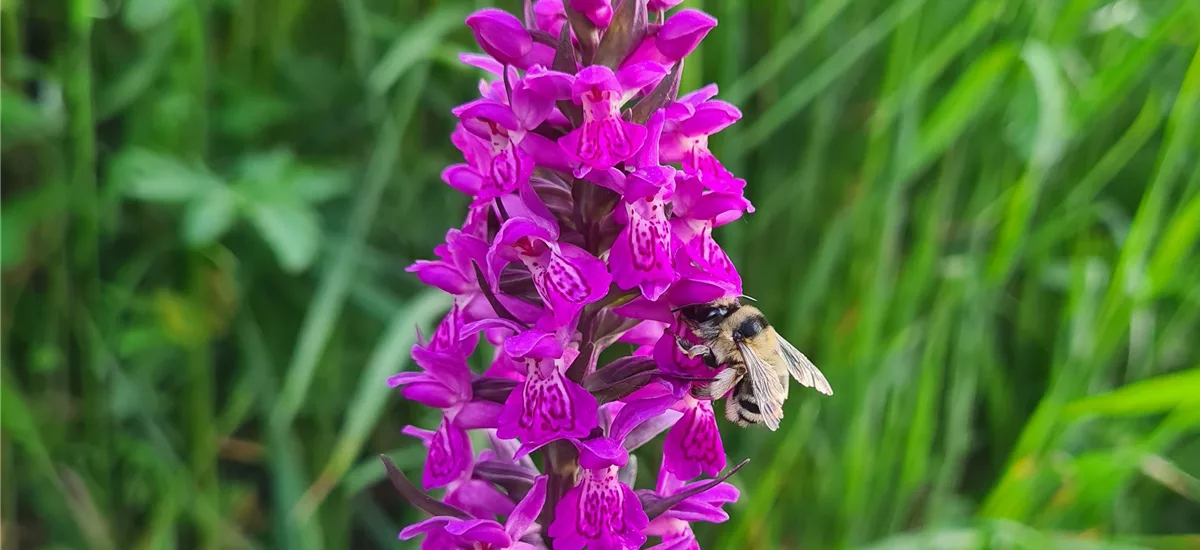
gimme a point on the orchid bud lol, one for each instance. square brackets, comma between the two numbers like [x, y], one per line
[505, 38]
[600, 12]
[682, 32]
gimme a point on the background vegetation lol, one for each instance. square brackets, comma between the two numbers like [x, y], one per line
[979, 218]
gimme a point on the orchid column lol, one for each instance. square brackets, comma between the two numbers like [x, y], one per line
[594, 199]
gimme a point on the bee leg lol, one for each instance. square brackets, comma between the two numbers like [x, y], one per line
[692, 350]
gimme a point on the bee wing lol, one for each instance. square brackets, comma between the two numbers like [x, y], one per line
[806, 373]
[764, 382]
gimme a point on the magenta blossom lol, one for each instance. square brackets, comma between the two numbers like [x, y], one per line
[599, 512]
[449, 532]
[503, 37]
[604, 138]
[566, 276]
[594, 196]
[549, 16]
[600, 12]
[693, 446]
[674, 525]
[547, 406]
[674, 39]
[685, 138]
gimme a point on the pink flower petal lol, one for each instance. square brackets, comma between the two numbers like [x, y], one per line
[600, 12]
[549, 16]
[697, 97]
[551, 84]
[595, 78]
[710, 117]
[449, 456]
[484, 62]
[547, 406]
[640, 75]
[479, 414]
[478, 498]
[500, 34]
[430, 394]
[601, 512]
[545, 152]
[642, 256]
[693, 446]
[522, 519]
[682, 32]
[601, 452]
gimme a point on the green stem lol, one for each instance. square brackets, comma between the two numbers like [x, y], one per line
[83, 260]
[202, 459]
[10, 37]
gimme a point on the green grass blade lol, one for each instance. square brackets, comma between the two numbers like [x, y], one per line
[820, 78]
[390, 356]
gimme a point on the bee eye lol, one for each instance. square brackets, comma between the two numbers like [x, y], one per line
[716, 313]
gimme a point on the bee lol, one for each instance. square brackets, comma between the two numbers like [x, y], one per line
[757, 361]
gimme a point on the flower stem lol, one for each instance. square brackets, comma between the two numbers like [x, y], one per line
[562, 467]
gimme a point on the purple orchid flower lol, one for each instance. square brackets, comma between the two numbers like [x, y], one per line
[443, 532]
[693, 446]
[604, 138]
[674, 526]
[566, 276]
[497, 141]
[643, 255]
[641, 416]
[600, 12]
[445, 384]
[547, 405]
[675, 39]
[454, 273]
[503, 37]
[685, 137]
[581, 233]
[450, 464]
[599, 512]
[549, 16]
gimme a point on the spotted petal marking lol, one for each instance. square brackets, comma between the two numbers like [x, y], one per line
[566, 280]
[449, 455]
[604, 139]
[694, 444]
[547, 402]
[650, 239]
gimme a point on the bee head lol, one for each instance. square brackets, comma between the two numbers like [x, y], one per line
[710, 313]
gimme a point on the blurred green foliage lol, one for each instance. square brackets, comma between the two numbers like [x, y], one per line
[979, 218]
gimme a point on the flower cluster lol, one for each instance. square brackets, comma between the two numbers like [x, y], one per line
[594, 197]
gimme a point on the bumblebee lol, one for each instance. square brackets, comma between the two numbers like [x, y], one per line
[757, 361]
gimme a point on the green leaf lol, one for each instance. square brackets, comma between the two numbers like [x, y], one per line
[18, 423]
[14, 235]
[1155, 395]
[209, 217]
[267, 167]
[20, 215]
[414, 46]
[141, 15]
[319, 184]
[149, 176]
[292, 231]
[22, 120]
[371, 398]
